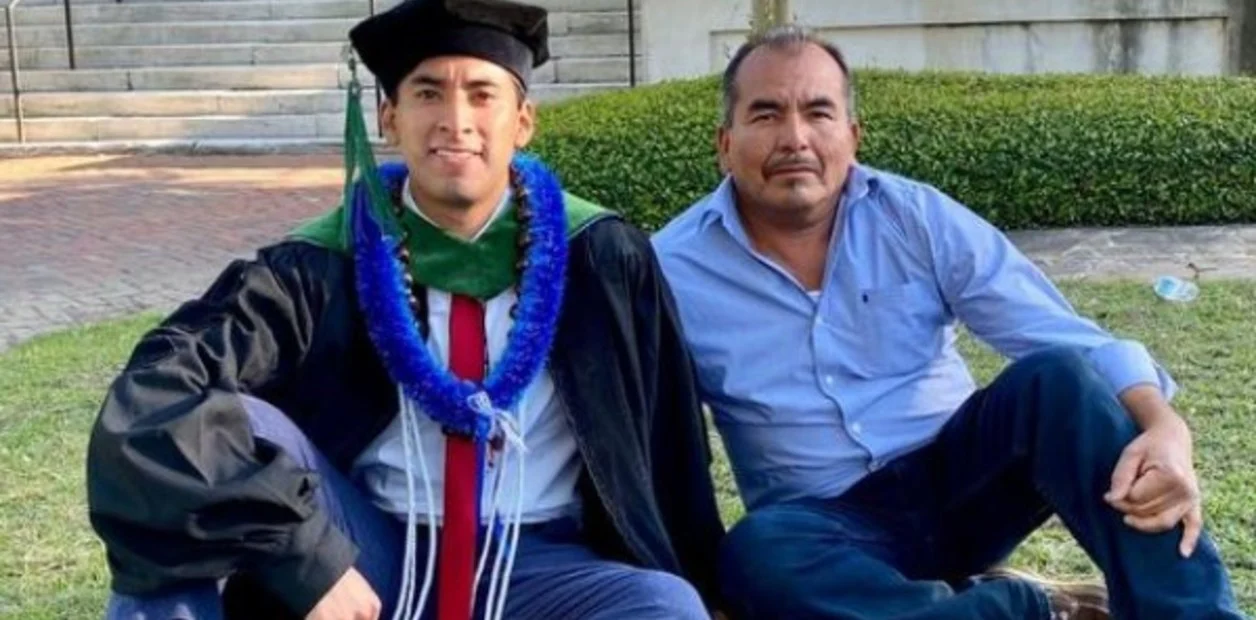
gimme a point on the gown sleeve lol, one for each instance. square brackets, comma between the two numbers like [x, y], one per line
[655, 380]
[177, 487]
[680, 443]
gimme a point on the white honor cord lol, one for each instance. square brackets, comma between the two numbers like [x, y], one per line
[493, 509]
[514, 543]
[410, 434]
[495, 573]
[489, 531]
[501, 422]
[404, 598]
[429, 570]
[496, 602]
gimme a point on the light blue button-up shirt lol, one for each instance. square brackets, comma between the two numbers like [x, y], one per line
[812, 390]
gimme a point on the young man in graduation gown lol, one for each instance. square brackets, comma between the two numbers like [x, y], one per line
[463, 393]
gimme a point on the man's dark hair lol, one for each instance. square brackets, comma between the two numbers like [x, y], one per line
[785, 38]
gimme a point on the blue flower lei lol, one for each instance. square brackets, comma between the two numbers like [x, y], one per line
[462, 406]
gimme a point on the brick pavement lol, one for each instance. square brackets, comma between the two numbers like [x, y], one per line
[83, 238]
[86, 238]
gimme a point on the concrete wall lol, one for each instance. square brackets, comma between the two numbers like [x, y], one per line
[687, 38]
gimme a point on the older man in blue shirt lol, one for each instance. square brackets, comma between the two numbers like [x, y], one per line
[821, 299]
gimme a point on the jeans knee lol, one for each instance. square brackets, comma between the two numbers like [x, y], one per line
[198, 601]
[1061, 371]
[270, 424]
[265, 419]
[745, 544]
[748, 576]
[1059, 363]
[664, 596]
[1066, 392]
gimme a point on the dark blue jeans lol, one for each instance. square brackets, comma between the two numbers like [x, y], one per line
[904, 542]
[555, 574]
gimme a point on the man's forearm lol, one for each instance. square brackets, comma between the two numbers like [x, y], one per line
[1148, 407]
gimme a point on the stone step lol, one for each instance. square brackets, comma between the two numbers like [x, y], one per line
[577, 6]
[582, 38]
[188, 33]
[90, 129]
[273, 121]
[274, 77]
[590, 22]
[576, 20]
[28, 4]
[126, 57]
[553, 6]
[188, 147]
[586, 5]
[569, 69]
[585, 45]
[154, 12]
[181, 103]
[109, 57]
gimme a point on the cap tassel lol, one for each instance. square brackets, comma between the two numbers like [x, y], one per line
[359, 160]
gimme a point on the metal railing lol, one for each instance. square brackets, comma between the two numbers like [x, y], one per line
[15, 72]
[632, 46]
[69, 34]
[379, 119]
[11, 33]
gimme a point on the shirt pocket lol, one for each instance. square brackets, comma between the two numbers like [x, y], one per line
[898, 327]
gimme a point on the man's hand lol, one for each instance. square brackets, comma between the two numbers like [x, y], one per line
[350, 599]
[1154, 483]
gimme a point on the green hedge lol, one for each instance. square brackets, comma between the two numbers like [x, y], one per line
[1024, 151]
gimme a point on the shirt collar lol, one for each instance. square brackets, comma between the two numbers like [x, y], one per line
[407, 198]
[722, 204]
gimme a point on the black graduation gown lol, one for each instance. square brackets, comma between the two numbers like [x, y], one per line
[179, 489]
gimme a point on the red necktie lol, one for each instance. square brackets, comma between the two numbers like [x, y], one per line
[458, 537]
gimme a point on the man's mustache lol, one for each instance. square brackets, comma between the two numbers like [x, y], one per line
[795, 162]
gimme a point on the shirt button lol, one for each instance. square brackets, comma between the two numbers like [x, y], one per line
[874, 465]
[856, 428]
[828, 379]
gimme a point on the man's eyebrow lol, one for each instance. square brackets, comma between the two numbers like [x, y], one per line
[822, 101]
[483, 83]
[762, 105]
[431, 80]
[425, 80]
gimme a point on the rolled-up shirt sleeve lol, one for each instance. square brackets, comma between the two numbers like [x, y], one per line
[1127, 363]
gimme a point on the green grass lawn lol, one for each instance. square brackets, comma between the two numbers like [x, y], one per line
[51, 566]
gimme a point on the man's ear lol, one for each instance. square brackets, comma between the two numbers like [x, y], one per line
[721, 148]
[527, 124]
[388, 120]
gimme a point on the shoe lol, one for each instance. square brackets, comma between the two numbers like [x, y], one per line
[1069, 600]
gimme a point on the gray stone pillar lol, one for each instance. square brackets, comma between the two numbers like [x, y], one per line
[1242, 35]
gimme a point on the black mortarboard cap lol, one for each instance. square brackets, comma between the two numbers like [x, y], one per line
[391, 44]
